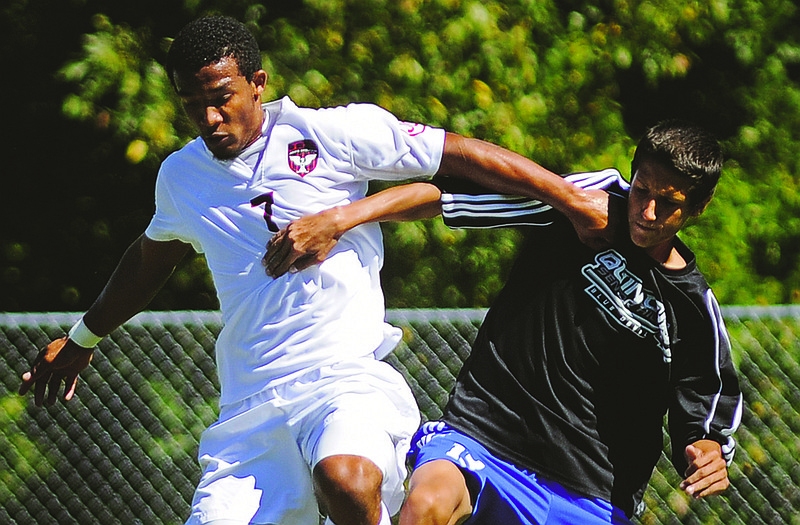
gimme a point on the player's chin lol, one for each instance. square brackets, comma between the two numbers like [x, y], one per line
[644, 237]
[225, 147]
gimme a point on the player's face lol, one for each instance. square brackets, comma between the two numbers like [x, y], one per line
[224, 106]
[658, 207]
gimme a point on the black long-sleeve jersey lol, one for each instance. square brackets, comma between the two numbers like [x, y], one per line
[584, 352]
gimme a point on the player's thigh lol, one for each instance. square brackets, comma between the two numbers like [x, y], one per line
[438, 493]
[252, 472]
[356, 454]
[362, 408]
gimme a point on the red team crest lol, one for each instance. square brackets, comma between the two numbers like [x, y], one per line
[303, 156]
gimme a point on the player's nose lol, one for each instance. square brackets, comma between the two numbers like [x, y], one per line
[649, 210]
[212, 117]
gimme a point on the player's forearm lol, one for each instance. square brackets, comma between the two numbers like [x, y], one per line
[409, 202]
[308, 240]
[140, 274]
[507, 172]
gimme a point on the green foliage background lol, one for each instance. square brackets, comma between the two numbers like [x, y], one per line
[571, 84]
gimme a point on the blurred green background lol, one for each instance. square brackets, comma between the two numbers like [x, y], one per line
[89, 114]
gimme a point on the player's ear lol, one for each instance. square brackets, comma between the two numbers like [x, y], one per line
[259, 82]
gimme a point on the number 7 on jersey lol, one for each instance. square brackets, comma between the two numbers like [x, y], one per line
[267, 200]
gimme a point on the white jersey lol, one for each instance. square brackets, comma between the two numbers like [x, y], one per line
[306, 161]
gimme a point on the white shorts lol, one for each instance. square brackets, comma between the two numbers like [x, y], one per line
[258, 457]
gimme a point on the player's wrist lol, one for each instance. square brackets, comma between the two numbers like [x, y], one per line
[81, 335]
[340, 220]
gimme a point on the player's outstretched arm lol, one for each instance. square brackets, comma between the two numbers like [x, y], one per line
[707, 473]
[507, 172]
[309, 240]
[140, 273]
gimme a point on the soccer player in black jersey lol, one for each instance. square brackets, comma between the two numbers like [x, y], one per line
[557, 415]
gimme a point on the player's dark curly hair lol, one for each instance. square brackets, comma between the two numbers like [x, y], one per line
[688, 149]
[208, 40]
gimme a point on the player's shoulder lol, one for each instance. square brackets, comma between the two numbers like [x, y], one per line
[195, 149]
[287, 109]
[335, 124]
[185, 160]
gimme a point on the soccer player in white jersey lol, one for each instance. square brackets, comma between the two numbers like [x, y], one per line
[307, 408]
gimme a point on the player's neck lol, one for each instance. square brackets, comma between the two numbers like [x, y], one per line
[257, 131]
[668, 256]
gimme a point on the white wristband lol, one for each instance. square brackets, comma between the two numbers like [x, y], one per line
[82, 336]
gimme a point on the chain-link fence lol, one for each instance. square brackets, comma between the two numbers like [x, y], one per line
[123, 451]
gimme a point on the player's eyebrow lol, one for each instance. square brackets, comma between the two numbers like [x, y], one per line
[223, 85]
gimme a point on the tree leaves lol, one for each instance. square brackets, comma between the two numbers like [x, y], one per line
[120, 88]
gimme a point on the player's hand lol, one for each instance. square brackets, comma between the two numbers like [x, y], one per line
[304, 242]
[61, 360]
[708, 472]
[596, 218]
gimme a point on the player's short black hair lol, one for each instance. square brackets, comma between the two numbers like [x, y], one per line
[689, 150]
[208, 40]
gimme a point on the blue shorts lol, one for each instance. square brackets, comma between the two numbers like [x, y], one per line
[503, 493]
